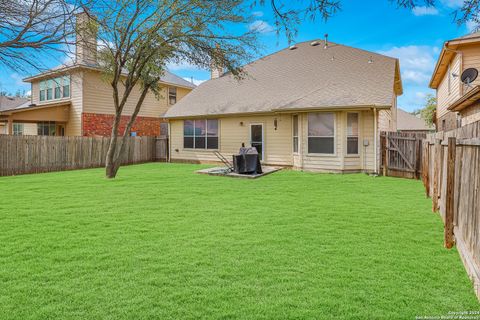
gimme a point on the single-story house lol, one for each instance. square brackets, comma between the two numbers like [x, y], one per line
[458, 102]
[74, 100]
[407, 122]
[314, 106]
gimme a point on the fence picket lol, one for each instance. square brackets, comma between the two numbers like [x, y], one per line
[32, 154]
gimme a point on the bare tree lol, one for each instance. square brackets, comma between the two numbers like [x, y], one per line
[29, 28]
[139, 37]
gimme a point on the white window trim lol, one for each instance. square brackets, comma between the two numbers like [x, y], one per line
[297, 136]
[176, 95]
[334, 154]
[352, 155]
[21, 131]
[200, 149]
[53, 89]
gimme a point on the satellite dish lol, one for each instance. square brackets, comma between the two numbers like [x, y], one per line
[469, 75]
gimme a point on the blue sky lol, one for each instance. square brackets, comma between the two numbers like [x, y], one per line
[414, 36]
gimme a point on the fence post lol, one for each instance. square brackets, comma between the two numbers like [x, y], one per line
[450, 198]
[436, 166]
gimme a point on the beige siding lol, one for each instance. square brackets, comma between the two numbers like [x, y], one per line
[471, 114]
[471, 59]
[89, 93]
[278, 144]
[74, 124]
[447, 94]
[98, 98]
[30, 129]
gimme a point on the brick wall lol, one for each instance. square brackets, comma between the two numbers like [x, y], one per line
[97, 124]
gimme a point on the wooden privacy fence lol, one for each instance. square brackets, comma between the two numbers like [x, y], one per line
[451, 177]
[401, 154]
[34, 154]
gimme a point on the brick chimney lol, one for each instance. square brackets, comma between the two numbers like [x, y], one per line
[86, 39]
[216, 71]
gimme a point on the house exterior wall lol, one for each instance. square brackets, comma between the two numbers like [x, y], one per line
[96, 124]
[449, 88]
[278, 144]
[91, 100]
[470, 114]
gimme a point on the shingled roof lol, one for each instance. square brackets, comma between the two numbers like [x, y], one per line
[308, 77]
[12, 103]
[408, 122]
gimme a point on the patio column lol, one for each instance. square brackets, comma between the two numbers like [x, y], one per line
[10, 126]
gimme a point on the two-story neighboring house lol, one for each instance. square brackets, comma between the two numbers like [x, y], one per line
[74, 100]
[458, 103]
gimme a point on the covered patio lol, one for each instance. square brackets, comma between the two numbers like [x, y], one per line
[51, 119]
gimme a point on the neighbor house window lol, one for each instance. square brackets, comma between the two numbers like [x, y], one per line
[54, 89]
[18, 129]
[321, 133]
[172, 95]
[295, 133]
[352, 133]
[46, 128]
[200, 134]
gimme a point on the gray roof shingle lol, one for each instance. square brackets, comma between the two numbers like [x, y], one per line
[307, 77]
[11, 103]
[407, 121]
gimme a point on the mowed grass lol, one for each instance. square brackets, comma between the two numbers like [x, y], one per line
[162, 242]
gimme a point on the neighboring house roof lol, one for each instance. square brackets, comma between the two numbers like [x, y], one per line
[447, 54]
[308, 77]
[11, 103]
[408, 122]
[168, 77]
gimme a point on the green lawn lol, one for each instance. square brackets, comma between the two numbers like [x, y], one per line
[162, 242]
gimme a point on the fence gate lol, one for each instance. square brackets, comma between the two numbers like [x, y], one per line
[401, 154]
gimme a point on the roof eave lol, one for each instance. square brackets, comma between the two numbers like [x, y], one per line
[81, 66]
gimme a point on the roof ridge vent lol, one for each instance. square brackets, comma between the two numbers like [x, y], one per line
[292, 47]
[314, 43]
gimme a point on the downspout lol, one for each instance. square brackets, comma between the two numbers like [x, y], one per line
[375, 138]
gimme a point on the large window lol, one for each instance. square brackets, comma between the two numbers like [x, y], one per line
[295, 133]
[172, 95]
[200, 134]
[321, 133]
[352, 133]
[53, 89]
[18, 129]
[46, 128]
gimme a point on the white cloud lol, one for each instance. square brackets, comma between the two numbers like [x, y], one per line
[452, 3]
[472, 26]
[196, 82]
[425, 11]
[257, 13]
[17, 79]
[260, 26]
[416, 62]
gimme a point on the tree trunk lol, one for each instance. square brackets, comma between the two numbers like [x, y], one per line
[111, 165]
[115, 151]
